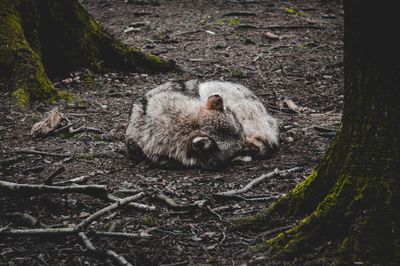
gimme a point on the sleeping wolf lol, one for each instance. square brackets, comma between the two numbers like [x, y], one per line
[199, 124]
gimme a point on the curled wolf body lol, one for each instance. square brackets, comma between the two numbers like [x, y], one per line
[203, 124]
[171, 128]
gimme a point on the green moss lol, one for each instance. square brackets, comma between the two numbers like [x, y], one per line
[87, 155]
[234, 22]
[66, 96]
[149, 220]
[302, 14]
[220, 22]
[21, 98]
[88, 80]
[78, 136]
[298, 191]
[289, 10]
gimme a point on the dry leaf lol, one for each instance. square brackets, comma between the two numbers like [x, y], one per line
[292, 106]
[52, 121]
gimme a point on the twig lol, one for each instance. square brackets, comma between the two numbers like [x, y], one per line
[118, 204]
[172, 203]
[247, 26]
[136, 205]
[118, 258]
[30, 190]
[117, 234]
[84, 128]
[43, 153]
[279, 27]
[216, 214]
[63, 127]
[77, 180]
[38, 231]
[185, 32]
[114, 256]
[49, 179]
[223, 235]
[86, 242]
[256, 181]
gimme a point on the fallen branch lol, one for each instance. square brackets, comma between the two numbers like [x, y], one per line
[118, 204]
[44, 153]
[38, 231]
[256, 181]
[12, 189]
[136, 205]
[77, 180]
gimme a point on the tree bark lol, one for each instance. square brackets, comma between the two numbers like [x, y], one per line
[51, 38]
[349, 206]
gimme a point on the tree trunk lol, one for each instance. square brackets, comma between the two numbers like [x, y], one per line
[349, 206]
[51, 38]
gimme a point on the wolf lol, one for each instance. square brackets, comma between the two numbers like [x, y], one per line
[202, 124]
[172, 128]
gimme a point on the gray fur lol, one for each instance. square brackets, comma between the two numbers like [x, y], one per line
[164, 129]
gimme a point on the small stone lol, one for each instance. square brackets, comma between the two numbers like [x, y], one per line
[289, 139]
[271, 36]
[84, 214]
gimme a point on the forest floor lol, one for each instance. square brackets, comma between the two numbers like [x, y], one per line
[226, 40]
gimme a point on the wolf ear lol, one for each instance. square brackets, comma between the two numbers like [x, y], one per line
[215, 102]
[202, 143]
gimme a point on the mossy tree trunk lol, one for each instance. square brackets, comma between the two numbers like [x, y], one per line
[351, 204]
[50, 38]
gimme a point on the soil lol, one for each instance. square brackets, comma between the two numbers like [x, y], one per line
[304, 65]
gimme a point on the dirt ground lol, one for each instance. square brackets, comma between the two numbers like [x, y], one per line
[225, 40]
